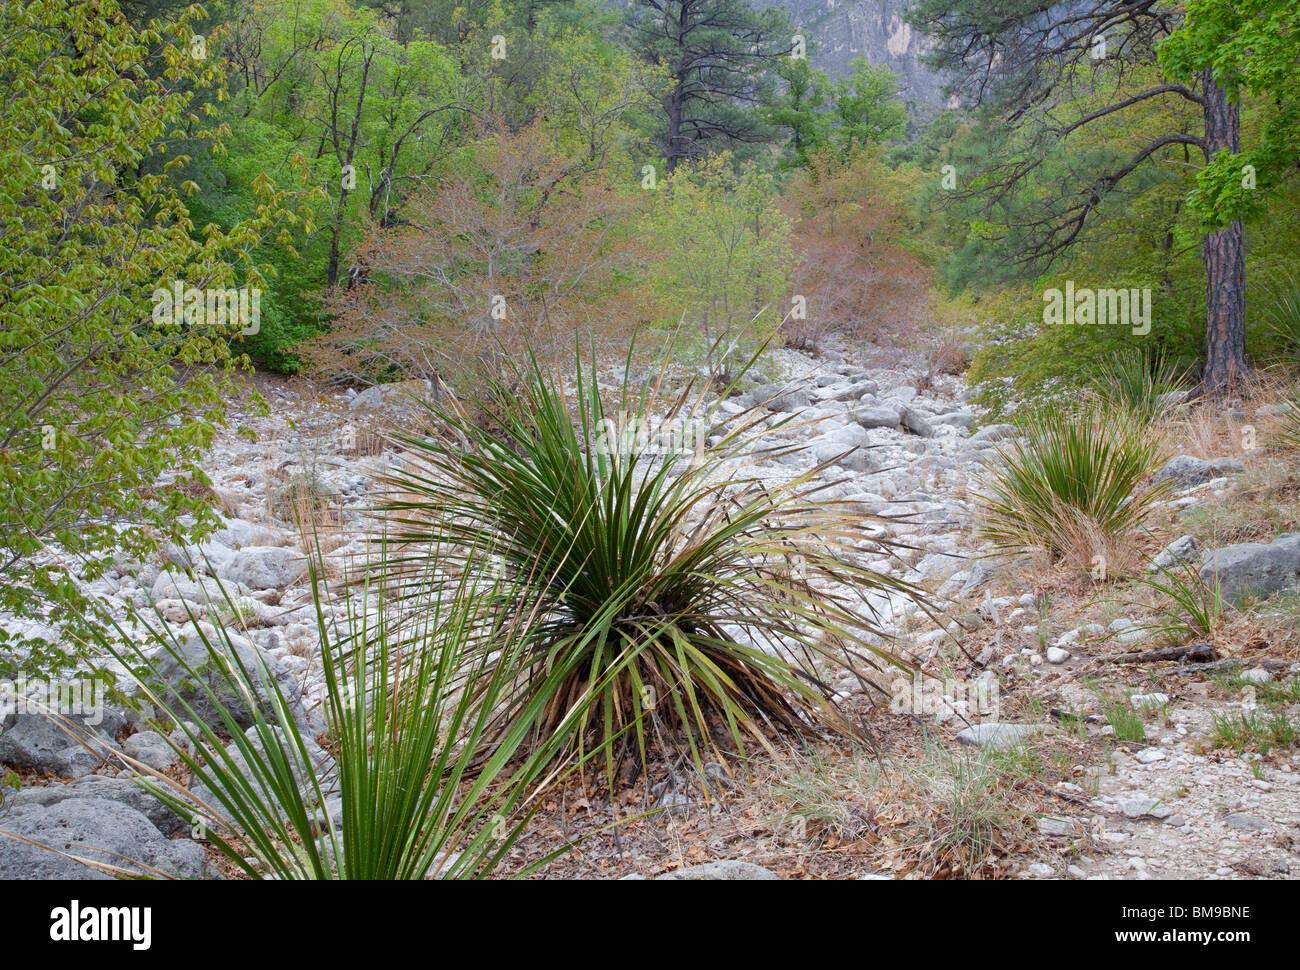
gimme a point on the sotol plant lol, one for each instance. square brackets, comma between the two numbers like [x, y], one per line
[408, 788]
[678, 591]
[1288, 435]
[1138, 382]
[1071, 483]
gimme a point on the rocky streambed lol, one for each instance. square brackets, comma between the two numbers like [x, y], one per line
[1165, 807]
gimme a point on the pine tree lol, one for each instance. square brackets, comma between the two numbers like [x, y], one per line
[1018, 61]
[720, 56]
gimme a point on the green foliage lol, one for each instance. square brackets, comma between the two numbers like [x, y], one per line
[294, 265]
[1288, 435]
[1251, 47]
[723, 262]
[106, 410]
[1078, 143]
[933, 144]
[1280, 313]
[417, 794]
[975, 796]
[800, 107]
[674, 595]
[994, 230]
[1244, 731]
[867, 110]
[1070, 479]
[328, 99]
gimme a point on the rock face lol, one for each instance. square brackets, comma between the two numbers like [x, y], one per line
[1254, 566]
[873, 29]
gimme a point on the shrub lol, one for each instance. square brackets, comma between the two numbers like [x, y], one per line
[521, 249]
[1071, 484]
[721, 258]
[1198, 605]
[672, 586]
[856, 278]
[966, 806]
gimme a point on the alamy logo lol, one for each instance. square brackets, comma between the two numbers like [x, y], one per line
[83, 698]
[1083, 307]
[640, 435]
[208, 307]
[72, 924]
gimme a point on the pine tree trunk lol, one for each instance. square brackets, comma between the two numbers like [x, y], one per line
[1225, 262]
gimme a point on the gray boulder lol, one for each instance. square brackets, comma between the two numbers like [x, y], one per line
[956, 419]
[237, 533]
[150, 748]
[981, 572]
[35, 740]
[97, 829]
[1248, 823]
[1139, 805]
[203, 590]
[915, 422]
[1184, 471]
[265, 567]
[1254, 566]
[878, 416]
[998, 734]
[121, 789]
[397, 400]
[903, 394]
[858, 390]
[834, 445]
[780, 397]
[993, 432]
[207, 666]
